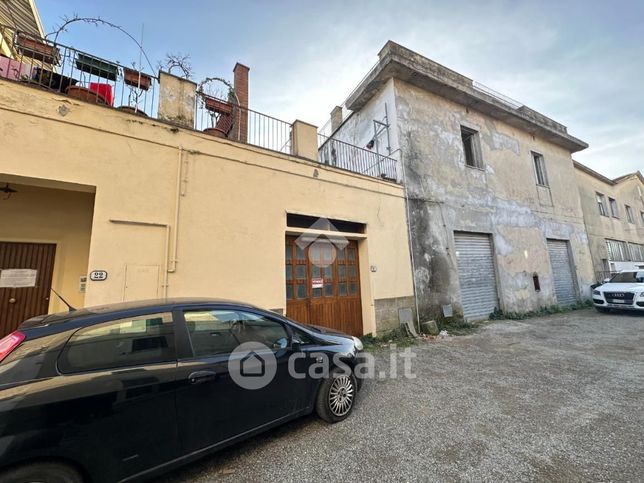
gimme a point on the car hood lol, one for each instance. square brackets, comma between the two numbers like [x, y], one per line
[621, 287]
[319, 329]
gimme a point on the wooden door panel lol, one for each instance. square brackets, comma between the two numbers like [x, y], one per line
[337, 303]
[17, 304]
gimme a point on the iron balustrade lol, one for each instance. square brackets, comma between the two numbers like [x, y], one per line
[44, 64]
[346, 156]
[229, 120]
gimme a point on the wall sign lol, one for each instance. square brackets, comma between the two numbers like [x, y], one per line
[18, 278]
[317, 282]
[98, 275]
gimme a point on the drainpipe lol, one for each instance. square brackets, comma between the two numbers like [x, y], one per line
[409, 235]
[177, 204]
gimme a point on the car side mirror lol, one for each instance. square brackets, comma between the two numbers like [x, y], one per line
[606, 280]
[296, 346]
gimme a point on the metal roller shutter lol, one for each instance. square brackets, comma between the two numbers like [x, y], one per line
[476, 274]
[562, 272]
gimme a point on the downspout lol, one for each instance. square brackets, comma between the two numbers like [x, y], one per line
[178, 194]
[409, 235]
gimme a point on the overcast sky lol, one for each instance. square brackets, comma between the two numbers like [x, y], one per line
[578, 62]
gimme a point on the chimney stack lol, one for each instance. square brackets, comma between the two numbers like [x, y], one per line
[336, 118]
[241, 90]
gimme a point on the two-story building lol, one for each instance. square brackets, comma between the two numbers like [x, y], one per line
[614, 216]
[494, 223]
[120, 185]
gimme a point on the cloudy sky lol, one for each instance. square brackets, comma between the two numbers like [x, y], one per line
[579, 62]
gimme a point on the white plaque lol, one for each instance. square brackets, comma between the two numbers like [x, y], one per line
[18, 277]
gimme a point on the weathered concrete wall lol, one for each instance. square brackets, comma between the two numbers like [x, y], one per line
[502, 199]
[627, 192]
[233, 201]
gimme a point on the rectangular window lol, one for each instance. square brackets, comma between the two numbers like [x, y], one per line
[617, 251]
[614, 209]
[540, 169]
[629, 214]
[135, 341]
[637, 252]
[601, 204]
[472, 148]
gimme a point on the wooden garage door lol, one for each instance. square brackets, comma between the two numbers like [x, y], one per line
[323, 285]
[476, 274]
[22, 296]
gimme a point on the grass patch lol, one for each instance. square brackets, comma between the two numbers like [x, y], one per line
[395, 336]
[459, 326]
[553, 309]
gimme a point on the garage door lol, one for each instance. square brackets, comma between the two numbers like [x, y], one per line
[562, 272]
[476, 274]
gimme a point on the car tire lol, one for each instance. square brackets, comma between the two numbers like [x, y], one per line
[336, 396]
[42, 472]
[602, 310]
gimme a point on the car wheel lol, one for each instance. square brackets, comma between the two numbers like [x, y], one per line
[43, 472]
[336, 396]
[602, 310]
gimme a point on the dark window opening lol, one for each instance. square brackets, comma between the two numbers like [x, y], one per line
[535, 282]
[305, 221]
[471, 147]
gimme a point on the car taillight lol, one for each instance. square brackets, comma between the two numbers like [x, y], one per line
[9, 343]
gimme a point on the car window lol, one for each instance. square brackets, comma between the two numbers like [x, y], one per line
[211, 331]
[215, 332]
[126, 342]
[628, 277]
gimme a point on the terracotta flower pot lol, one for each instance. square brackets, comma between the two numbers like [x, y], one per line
[131, 78]
[215, 105]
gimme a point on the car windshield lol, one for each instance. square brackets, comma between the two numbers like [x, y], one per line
[628, 277]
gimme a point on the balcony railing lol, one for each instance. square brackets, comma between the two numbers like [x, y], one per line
[228, 120]
[358, 160]
[48, 65]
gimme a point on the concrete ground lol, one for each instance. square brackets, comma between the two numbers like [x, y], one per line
[558, 398]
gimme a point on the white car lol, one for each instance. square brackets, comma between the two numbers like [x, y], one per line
[624, 290]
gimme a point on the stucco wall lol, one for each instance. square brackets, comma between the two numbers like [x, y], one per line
[502, 199]
[233, 203]
[62, 217]
[601, 227]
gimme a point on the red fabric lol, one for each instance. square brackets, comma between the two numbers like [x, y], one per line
[103, 89]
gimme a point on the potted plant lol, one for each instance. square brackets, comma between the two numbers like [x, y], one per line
[37, 49]
[135, 78]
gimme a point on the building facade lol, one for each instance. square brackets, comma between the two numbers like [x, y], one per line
[107, 204]
[614, 216]
[494, 223]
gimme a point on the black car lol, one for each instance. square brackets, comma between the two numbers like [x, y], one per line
[127, 391]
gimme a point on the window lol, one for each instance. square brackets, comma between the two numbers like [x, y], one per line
[215, 332]
[540, 169]
[614, 209]
[146, 339]
[629, 214]
[601, 203]
[628, 277]
[617, 251]
[472, 148]
[636, 252]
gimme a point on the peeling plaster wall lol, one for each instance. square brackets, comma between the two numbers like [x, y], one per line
[502, 199]
[628, 192]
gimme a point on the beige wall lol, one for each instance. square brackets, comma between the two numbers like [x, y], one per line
[233, 201]
[42, 215]
[627, 192]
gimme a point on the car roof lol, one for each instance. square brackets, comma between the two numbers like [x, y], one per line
[116, 308]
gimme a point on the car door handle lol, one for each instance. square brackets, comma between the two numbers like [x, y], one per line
[199, 377]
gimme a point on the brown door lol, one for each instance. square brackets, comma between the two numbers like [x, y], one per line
[323, 285]
[26, 270]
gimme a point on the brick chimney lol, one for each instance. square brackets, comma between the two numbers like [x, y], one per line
[241, 90]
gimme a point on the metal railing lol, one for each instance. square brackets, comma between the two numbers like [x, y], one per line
[358, 160]
[228, 120]
[48, 65]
